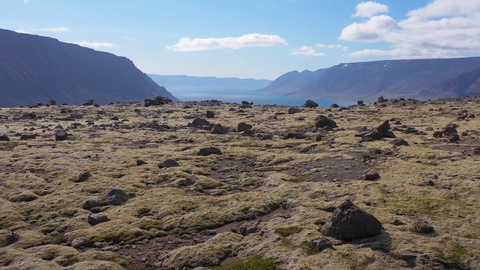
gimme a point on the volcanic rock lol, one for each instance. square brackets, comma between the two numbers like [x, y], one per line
[94, 219]
[170, 163]
[293, 110]
[210, 151]
[423, 226]
[219, 129]
[4, 138]
[322, 122]
[349, 222]
[310, 104]
[243, 126]
[61, 135]
[116, 197]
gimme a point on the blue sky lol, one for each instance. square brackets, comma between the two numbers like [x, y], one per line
[253, 38]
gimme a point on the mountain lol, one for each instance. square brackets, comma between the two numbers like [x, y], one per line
[184, 81]
[293, 81]
[419, 79]
[37, 69]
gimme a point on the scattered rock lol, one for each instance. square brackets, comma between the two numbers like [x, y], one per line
[4, 138]
[310, 104]
[322, 122]
[210, 151]
[52, 102]
[398, 222]
[382, 131]
[116, 197]
[79, 242]
[188, 181]
[438, 134]
[210, 114]
[25, 137]
[453, 137]
[88, 102]
[170, 163]
[158, 100]
[249, 228]
[449, 129]
[349, 222]
[140, 162]
[334, 105]
[293, 110]
[360, 103]
[94, 219]
[399, 142]
[201, 123]
[423, 226]
[371, 176]
[243, 126]
[83, 177]
[476, 150]
[91, 204]
[321, 243]
[381, 99]
[219, 129]
[61, 135]
[11, 238]
[296, 135]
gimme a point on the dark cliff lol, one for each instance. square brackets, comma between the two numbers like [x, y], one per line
[37, 69]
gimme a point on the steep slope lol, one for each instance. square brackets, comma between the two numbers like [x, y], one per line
[36, 69]
[392, 78]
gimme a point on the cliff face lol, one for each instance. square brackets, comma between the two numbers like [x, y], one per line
[36, 69]
[420, 79]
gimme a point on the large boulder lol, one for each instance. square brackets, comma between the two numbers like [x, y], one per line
[116, 197]
[310, 104]
[322, 122]
[349, 222]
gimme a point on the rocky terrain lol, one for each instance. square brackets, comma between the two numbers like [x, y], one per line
[390, 185]
[35, 69]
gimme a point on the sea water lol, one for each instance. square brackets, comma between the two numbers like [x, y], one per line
[238, 95]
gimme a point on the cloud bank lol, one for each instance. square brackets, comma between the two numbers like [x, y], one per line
[311, 51]
[442, 28]
[187, 44]
[95, 45]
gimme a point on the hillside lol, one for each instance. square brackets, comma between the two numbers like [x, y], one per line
[419, 79]
[37, 69]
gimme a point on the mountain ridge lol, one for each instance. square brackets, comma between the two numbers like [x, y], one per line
[37, 69]
[413, 78]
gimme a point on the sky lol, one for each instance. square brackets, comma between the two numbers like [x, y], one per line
[260, 39]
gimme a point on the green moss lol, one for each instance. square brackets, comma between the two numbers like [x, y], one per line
[256, 262]
[451, 255]
[287, 231]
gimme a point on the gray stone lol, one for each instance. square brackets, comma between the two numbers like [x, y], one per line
[116, 197]
[321, 243]
[61, 135]
[94, 219]
[210, 151]
[310, 104]
[323, 121]
[349, 222]
[170, 163]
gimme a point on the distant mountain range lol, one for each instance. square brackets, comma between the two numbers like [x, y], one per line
[420, 79]
[37, 69]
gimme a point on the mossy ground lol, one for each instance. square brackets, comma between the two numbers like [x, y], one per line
[41, 198]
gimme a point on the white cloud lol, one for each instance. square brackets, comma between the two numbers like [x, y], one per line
[22, 31]
[372, 30]
[56, 29]
[96, 45]
[187, 44]
[331, 46]
[370, 8]
[27, 1]
[307, 51]
[440, 8]
[443, 28]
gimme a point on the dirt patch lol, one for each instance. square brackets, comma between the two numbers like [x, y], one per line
[331, 170]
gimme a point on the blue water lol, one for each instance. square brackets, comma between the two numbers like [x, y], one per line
[237, 96]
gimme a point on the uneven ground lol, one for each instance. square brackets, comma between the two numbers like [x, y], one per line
[217, 208]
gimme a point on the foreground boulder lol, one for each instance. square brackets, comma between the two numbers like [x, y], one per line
[349, 222]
